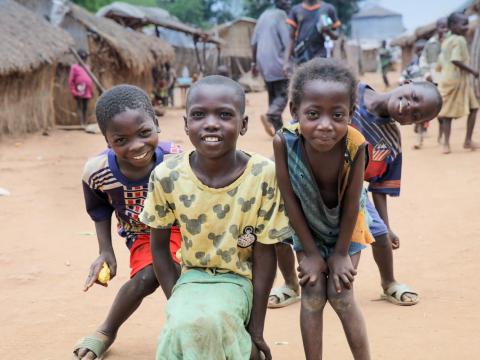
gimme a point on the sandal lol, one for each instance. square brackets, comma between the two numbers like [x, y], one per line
[92, 344]
[395, 293]
[285, 296]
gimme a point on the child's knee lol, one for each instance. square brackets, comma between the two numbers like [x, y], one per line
[340, 302]
[382, 241]
[144, 282]
[314, 297]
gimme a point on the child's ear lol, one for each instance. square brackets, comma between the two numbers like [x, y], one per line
[185, 127]
[244, 128]
[108, 144]
[293, 110]
[352, 111]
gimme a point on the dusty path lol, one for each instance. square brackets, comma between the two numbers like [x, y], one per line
[48, 243]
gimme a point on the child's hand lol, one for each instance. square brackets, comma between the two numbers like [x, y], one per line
[260, 349]
[394, 240]
[310, 269]
[96, 266]
[341, 271]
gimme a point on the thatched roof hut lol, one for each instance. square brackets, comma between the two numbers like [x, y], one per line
[29, 53]
[237, 51]
[117, 55]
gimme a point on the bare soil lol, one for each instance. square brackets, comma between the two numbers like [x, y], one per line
[48, 243]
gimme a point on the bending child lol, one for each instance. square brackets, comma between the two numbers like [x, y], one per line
[230, 214]
[117, 181]
[376, 117]
[320, 167]
[454, 85]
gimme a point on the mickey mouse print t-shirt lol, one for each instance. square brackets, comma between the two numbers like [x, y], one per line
[218, 226]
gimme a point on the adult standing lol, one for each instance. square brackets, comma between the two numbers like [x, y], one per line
[269, 43]
[312, 22]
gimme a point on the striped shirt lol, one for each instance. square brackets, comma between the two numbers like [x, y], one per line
[384, 166]
[107, 190]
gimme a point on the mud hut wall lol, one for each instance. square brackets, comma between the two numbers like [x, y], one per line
[237, 39]
[370, 60]
[26, 101]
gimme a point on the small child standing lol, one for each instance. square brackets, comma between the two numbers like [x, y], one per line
[117, 181]
[230, 214]
[320, 167]
[81, 87]
[454, 85]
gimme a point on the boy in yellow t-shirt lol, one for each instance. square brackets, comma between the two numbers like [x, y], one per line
[229, 210]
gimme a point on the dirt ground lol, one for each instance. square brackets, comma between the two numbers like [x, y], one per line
[48, 243]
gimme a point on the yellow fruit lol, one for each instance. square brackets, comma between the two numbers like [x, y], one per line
[104, 274]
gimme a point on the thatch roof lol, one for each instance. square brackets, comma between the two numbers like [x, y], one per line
[28, 41]
[135, 49]
[135, 16]
[223, 28]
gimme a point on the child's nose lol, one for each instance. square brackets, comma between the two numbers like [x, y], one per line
[211, 121]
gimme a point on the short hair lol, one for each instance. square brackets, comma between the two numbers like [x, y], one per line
[452, 18]
[325, 70]
[119, 99]
[427, 85]
[219, 80]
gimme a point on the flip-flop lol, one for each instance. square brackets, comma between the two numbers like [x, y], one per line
[91, 343]
[285, 295]
[395, 293]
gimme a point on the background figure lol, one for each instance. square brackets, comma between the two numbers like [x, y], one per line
[81, 86]
[311, 22]
[457, 92]
[385, 62]
[430, 55]
[223, 71]
[269, 43]
[172, 79]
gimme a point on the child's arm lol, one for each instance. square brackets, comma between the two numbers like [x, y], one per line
[165, 269]
[340, 264]
[264, 266]
[106, 253]
[312, 264]
[465, 67]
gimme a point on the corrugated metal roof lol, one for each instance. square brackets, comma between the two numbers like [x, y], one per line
[375, 11]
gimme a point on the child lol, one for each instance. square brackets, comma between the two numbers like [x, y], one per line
[116, 181]
[454, 85]
[230, 213]
[375, 116]
[385, 62]
[320, 164]
[81, 87]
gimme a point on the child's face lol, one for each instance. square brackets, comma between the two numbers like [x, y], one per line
[412, 103]
[132, 135]
[460, 25]
[323, 113]
[214, 120]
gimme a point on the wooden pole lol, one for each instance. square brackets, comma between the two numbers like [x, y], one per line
[100, 88]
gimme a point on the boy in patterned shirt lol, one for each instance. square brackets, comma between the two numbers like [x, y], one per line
[376, 117]
[230, 213]
[117, 181]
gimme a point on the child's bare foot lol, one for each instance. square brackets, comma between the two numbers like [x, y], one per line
[446, 149]
[470, 145]
[87, 351]
[267, 125]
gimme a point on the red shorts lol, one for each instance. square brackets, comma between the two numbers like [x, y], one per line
[141, 256]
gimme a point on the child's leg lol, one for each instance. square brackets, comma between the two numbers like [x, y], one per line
[286, 264]
[351, 317]
[128, 299]
[447, 128]
[440, 130]
[314, 299]
[472, 117]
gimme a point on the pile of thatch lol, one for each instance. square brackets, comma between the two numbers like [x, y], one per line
[30, 48]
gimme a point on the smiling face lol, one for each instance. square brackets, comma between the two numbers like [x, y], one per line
[459, 25]
[413, 103]
[132, 135]
[323, 113]
[214, 119]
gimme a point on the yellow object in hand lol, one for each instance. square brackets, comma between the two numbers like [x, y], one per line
[104, 274]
